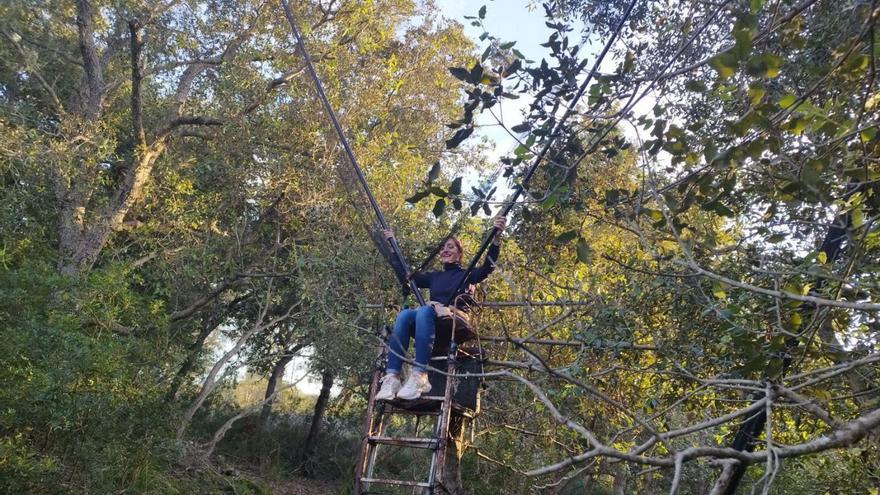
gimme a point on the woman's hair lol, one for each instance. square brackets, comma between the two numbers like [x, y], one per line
[457, 243]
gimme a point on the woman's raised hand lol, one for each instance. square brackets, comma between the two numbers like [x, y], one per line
[500, 223]
[389, 234]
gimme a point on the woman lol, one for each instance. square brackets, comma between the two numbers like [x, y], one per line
[419, 323]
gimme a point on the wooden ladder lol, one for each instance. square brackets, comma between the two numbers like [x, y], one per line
[441, 407]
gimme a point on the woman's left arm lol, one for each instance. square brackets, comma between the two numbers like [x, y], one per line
[481, 273]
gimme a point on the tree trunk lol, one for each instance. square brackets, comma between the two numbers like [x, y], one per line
[318, 416]
[451, 477]
[192, 356]
[619, 486]
[208, 326]
[274, 377]
[589, 478]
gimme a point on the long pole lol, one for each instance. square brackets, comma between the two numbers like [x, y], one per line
[395, 248]
[531, 171]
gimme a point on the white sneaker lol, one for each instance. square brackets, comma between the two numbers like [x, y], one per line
[416, 385]
[390, 386]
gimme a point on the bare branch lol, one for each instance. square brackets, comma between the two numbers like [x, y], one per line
[781, 294]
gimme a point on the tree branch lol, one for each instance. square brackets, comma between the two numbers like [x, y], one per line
[136, 78]
[94, 80]
[53, 97]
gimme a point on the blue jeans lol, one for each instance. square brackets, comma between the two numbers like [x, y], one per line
[411, 322]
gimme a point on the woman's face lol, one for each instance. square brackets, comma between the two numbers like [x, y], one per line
[450, 253]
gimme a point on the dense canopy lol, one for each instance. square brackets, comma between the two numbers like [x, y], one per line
[183, 243]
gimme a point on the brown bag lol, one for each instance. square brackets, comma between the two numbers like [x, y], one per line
[443, 311]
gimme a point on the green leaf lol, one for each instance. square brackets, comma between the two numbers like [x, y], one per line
[718, 290]
[756, 94]
[787, 101]
[756, 363]
[566, 237]
[776, 238]
[655, 215]
[756, 5]
[455, 186]
[628, 62]
[438, 191]
[507, 46]
[857, 216]
[862, 174]
[524, 127]
[510, 69]
[796, 125]
[742, 42]
[725, 63]
[460, 73]
[858, 63]
[764, 65]
[719, 208]
[583, 250]
[824, 396]
[695, 86]
[415, 198]
[439, 208]
[482, 12]
[811, 172]
[459, 136]
[476, 73]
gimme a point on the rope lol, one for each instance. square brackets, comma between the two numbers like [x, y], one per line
[395, 248]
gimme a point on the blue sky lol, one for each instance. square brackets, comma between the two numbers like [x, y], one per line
[511, 20]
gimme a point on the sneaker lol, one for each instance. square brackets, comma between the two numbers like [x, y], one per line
[390, 386]
[416, 385]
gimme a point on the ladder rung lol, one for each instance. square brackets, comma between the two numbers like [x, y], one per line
[399, 410]
[415, 442]
[424, 398]
[421, 484]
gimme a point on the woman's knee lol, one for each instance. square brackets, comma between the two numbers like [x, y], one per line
[406, 316]
[425, 313]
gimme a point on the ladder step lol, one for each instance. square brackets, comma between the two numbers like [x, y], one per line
[414, 442]
[396, 482]
[398, 410]
[438, 398]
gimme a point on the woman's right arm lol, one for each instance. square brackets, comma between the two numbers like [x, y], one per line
[422, 279]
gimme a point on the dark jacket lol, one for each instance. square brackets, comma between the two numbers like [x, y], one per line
[442, 283]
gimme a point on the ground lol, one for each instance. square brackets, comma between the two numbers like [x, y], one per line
[305, 486]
